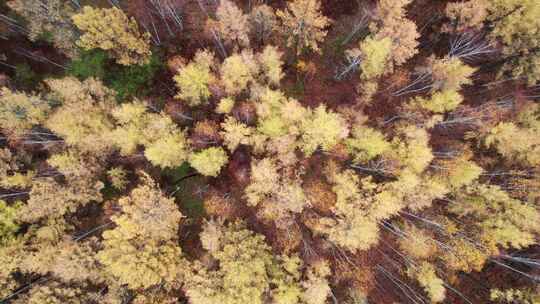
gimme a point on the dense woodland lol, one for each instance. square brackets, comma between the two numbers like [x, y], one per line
[269, 152]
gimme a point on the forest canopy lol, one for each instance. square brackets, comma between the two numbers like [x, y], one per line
[269, 152]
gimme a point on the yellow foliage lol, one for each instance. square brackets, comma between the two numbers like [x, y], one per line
[263, 21]
[156, 297]
[165, 144]
[346, 186]
[8, 225]
[111, 30]
[412, 149]
[516, 25]
[515, 143]
[462, 172]
[450, 74]
[284, 149]
[366, 143]
[131, 118]
[140, 251]
[304, 25]
[146, 212]
[467, 15]
[432, 284]
[418, 243]
[76, 262]
[386, 204]
[10, 259]
[375, 55]
[19, 112]
[278, 115]
[76, 165]
[238, 71]
[518, 296]
[441, 102]
[322, 128]
[82, 120]
[193, 80]
[278, 197]
[51, 199]
[247, 272]
[271, 64]
[392, 23]
[464, 256]
[118, 178]
[232, 23]
[140, 263]
[48, 17]
[498, 218]
[225, 105]
[290, 196]
[354, 225]
[426, 191]
[169, 151]
[209, 161]
[367, 90]
[317, 287]
[53, 292]
[264, 177]
[235, 133]
[17, 180]
[355, 233]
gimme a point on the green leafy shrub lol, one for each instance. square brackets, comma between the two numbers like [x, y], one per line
[90, 64]
[127, 81]
[24, 76]
[132, 80]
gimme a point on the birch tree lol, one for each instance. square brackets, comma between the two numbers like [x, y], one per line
[303, 24]
[111, 30]
[247, 272]
[49, 17]
[19, 112]
[515, 25]
[231, 23]
[391, 22]
[193, 80]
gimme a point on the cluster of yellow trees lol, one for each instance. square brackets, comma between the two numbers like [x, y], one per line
[326, 184]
